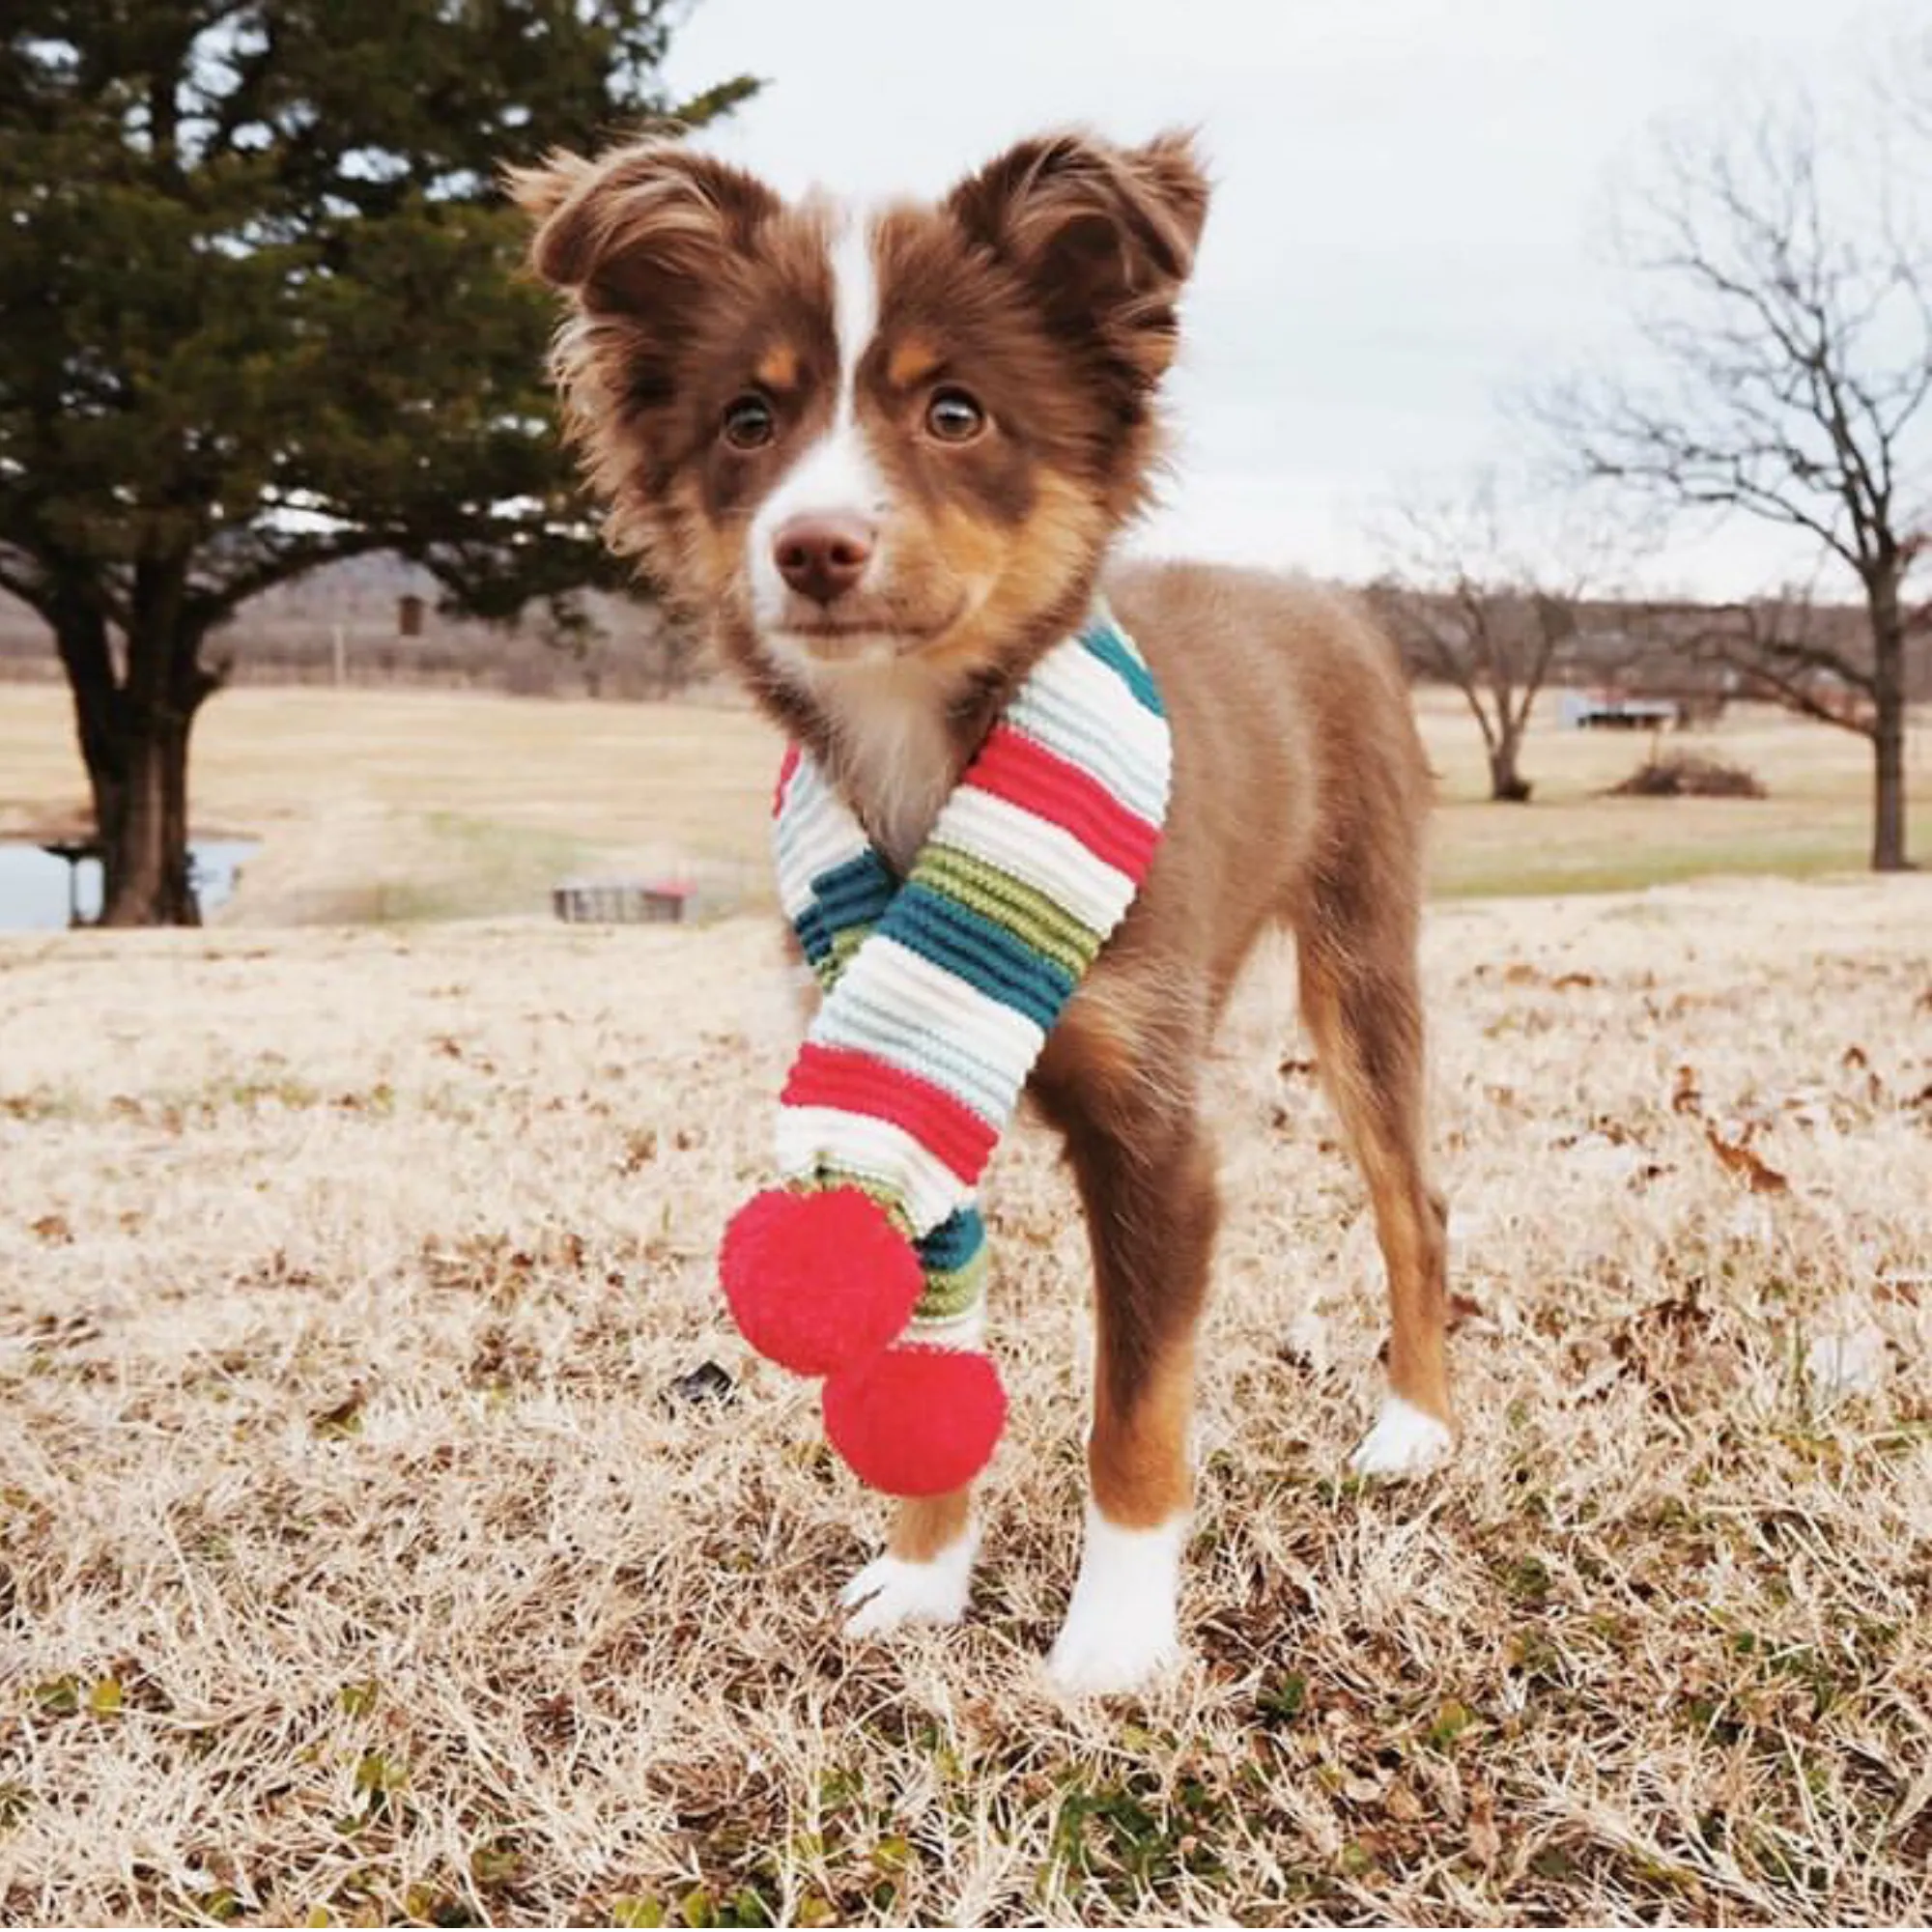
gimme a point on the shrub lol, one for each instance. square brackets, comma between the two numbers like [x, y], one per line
[1689, 775]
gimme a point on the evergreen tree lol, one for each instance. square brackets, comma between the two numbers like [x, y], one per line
[259, 311]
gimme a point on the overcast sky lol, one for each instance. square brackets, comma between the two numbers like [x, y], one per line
[1408, 192]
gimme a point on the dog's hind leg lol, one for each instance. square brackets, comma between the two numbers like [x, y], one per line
[1361, 1000]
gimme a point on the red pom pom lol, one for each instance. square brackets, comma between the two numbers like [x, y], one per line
[816, 1280]
[917, 1421]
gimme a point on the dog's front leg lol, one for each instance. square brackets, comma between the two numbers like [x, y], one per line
[1122, 1094]
[925, 1572]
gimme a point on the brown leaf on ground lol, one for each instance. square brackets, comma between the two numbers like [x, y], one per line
[1758, 1176]
[1486, 1842]
[341, 1418]
[1402, 1804]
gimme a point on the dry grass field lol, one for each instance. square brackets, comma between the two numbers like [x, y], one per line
[407, 804]
[361, 1562]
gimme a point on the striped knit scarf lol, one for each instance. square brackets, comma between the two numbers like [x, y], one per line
[940, 991]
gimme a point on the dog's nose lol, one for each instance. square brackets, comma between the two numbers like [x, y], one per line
[822, 557]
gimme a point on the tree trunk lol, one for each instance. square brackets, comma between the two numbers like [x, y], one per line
[80, 631]
[1507, 785]
[1888, 852]
[146, 850]
[133, 735]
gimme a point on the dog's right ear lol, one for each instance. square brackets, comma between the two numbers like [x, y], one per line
[624, 231]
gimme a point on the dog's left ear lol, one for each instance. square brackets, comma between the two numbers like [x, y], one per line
[1104, 236]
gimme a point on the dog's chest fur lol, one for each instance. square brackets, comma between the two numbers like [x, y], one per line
[894, 754]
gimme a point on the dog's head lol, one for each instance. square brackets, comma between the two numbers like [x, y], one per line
[854, 435]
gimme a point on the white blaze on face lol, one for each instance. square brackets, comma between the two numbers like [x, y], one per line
[834, 476]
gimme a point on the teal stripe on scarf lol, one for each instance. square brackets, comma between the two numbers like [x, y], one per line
[1107, 644]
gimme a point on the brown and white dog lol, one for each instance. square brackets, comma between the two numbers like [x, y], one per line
[885, 451]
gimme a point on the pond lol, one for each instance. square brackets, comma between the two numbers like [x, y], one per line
[34, 884]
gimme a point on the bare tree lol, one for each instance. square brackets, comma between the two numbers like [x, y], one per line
[1790, 381]
[1481, 589]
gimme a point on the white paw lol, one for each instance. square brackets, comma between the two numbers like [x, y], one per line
[1404, 1442]
[1121, 1627]
[893, 1590]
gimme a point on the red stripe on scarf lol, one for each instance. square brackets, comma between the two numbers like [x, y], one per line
[1024, 773]
[788, 765]
[855, 1083]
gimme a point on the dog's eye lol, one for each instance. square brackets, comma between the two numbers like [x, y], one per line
[749, 423]
[953, 417]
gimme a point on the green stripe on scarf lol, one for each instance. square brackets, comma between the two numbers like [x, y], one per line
[1046, 925]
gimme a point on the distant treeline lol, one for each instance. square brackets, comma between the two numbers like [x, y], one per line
[1663, 650]
[637, 653]
[375, 622]
[459, 657]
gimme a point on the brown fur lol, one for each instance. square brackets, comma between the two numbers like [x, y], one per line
[1299, 793]
[924, 1526]
[1047, 284]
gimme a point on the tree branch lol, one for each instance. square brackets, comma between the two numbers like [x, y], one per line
[1775, 664]
[1793, 694]
[1794, 348]
[213, 603]
[33, 594]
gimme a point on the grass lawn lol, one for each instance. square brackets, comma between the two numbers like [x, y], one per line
[385, 805]
[1571, 838]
